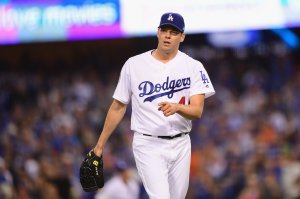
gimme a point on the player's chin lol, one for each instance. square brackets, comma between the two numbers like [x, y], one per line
[167, 49]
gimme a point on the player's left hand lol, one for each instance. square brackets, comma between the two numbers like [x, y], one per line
[168, 108]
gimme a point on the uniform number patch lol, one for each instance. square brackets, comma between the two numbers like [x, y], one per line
[182, 100]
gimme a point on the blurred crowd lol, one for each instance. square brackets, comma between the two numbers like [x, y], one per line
[246, 145]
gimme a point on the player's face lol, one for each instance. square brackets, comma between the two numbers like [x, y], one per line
[169, 38]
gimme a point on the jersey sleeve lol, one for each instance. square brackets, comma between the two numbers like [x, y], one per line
[201, 83]
[123, 90]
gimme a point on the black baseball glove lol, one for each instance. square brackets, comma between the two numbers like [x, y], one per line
[91, 172]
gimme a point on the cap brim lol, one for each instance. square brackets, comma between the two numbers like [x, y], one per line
[170, 24]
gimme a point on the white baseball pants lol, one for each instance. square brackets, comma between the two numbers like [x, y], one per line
[163, 165]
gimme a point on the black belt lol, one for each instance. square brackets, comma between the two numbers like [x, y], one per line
[167, 137]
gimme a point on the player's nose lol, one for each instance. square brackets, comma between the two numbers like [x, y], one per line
[168, 34]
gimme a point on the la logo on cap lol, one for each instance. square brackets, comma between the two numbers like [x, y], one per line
[170, 18]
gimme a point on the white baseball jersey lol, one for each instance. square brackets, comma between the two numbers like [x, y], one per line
[146, 82]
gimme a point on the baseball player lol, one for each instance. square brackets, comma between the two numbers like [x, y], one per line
[167, 89]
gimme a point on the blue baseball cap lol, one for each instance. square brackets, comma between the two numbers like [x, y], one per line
[172, 19]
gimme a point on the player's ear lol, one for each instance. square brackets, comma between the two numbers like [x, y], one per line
[182, 37]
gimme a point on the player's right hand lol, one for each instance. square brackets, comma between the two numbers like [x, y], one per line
[98, 151]
[91, 172]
